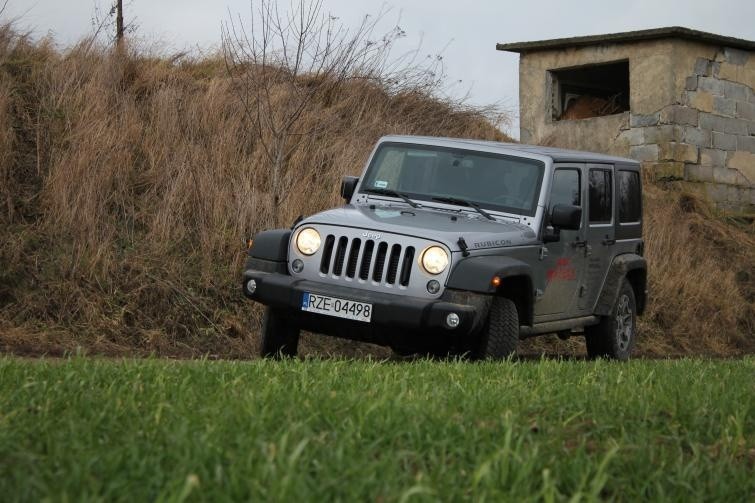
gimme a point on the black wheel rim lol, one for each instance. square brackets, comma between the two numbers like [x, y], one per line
[624, 322]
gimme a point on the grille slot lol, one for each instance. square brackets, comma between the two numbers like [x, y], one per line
[351, 266]
[390, 277]
[340, 255]
[406, 266]
[377, 273]
[354, 258]
[364, 269]
[327, 251]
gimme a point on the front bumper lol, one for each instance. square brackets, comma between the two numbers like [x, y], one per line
[409, 314]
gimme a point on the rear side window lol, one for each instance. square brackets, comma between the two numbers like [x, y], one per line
[566, 188]
[600, 196]
[630, 202]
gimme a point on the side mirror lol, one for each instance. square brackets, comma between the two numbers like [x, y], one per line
[348, 184]
[567, 217]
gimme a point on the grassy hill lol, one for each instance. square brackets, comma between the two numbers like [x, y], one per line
[128, 183]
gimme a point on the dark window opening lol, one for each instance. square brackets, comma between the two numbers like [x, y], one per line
[600, 196]
[590, 91]
[630, 200]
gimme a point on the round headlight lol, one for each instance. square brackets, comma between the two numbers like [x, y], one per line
[308, 241]
[435, 260]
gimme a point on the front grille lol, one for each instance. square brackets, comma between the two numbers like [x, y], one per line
[381, 262]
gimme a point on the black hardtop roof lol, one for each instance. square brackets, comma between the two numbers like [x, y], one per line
[556, 154]
[679, 32]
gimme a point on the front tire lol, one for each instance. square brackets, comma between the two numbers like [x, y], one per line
[615, 336]
[280, 334]
[500, 335]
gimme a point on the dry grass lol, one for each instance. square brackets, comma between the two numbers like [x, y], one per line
[702, 286]
[127, 184]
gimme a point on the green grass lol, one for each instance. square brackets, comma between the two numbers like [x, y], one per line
[319, 430]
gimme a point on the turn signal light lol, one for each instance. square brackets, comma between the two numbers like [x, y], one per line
[496, 281]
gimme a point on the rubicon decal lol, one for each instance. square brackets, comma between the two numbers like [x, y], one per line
[492, 244]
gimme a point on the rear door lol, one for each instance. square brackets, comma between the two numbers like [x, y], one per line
[600, 233]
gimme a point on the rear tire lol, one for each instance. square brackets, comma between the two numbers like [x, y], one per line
[500, 335]
[615, 336]
[280, 334]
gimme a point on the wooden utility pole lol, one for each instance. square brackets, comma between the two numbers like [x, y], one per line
[118, 22]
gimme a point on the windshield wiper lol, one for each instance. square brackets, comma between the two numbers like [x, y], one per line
[464, 202]
[392, 193]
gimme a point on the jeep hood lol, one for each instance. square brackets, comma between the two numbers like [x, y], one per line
[429, 223]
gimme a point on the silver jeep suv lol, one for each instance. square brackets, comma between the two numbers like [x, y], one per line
[462, 247]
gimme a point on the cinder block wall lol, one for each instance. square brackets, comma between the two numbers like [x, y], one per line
[692, 114]
[707, 135]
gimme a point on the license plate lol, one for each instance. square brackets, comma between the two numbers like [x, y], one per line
[333, 306]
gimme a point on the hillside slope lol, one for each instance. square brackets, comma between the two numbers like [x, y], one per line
[128, 184]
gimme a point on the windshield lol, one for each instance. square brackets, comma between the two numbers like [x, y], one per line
[424, 172]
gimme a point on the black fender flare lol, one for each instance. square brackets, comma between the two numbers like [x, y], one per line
[271, 245]
[475, 274]
[269, 251]
[627, 265]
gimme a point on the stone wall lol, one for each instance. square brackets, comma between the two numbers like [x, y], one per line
[708, 134]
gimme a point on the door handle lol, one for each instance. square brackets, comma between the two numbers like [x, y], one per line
[579, 244]
[608, 241]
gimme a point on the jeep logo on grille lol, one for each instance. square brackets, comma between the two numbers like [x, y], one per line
[371, 235]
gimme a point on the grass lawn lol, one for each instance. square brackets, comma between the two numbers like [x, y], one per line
[321, 430]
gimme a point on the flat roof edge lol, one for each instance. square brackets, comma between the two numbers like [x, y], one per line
[627, 37]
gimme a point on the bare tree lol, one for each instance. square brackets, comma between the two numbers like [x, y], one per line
[118, 22]
[109, 23]
[282, 61]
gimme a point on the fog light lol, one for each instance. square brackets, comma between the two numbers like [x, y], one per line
[297, 265]
[251, 286]
[433, 286]
[452, 320]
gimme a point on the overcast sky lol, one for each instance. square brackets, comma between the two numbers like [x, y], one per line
[466, 31]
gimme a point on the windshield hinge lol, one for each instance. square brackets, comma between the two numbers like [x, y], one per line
[463, 245]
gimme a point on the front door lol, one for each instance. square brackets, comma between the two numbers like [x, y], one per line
[600, 235]
[563, 260]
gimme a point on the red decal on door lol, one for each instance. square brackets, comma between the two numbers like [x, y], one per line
[563, 271]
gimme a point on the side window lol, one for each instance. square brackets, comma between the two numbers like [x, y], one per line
[565, 188]
[600, 196]
[630, 203]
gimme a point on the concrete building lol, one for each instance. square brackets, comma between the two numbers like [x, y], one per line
[682, 101]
